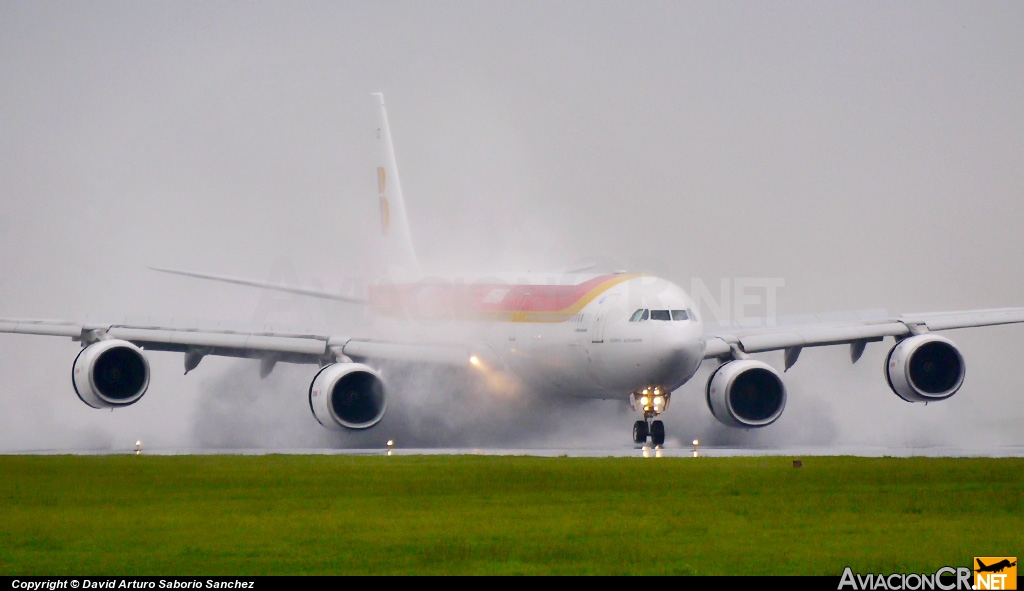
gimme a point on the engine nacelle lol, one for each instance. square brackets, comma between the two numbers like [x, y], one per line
[746, 393]
[349, 395]
[925, 368]
[110, 373]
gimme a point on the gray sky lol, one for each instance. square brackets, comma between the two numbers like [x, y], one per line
[869, 154]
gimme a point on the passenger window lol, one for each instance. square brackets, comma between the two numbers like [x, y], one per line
[680, 315]
[660, 315]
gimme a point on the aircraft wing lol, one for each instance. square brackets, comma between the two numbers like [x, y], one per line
[793, 338]
[279, 346]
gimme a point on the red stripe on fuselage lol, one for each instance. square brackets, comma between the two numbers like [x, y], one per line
[490, 301]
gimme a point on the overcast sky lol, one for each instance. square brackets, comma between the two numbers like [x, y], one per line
[869, 154]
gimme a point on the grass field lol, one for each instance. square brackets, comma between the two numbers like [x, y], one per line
[256, 515]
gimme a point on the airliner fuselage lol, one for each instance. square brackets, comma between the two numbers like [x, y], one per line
[634, 334]
[593, 336]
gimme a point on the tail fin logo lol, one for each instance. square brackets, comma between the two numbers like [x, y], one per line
[385, 208]
[385, 215]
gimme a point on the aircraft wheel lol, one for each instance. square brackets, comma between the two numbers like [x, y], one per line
[657, 432]
[640, 432]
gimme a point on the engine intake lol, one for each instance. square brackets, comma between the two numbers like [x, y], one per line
[349, 395]
[925, 368]
[110, 373]
[746, 393]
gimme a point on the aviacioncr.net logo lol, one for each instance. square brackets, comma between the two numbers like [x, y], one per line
[946, 578]
[995, 572]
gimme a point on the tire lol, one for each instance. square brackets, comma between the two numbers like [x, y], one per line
[657, 432]
[640, 432]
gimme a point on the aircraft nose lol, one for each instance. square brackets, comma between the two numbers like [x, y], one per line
[687, 336]
[682, 352]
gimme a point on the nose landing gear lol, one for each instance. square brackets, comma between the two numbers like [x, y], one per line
[640, 431]
[656, 430]
[653, 402]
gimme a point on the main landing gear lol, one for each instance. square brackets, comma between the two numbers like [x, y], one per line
[653, 402]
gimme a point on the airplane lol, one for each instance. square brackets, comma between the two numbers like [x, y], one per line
[994, 568]
[589, 334]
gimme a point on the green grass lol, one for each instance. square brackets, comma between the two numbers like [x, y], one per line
[261, 515]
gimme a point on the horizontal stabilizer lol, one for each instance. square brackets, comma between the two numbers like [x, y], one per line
[264, 285]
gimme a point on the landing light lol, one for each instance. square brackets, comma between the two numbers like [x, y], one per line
[658, 400]
[644, 400]
[474, 360]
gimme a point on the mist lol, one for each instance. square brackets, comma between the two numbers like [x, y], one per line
[867, 154]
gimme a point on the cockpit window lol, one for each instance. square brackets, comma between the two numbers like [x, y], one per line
[644, 314]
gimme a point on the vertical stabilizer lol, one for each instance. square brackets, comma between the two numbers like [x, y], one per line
[394, 225]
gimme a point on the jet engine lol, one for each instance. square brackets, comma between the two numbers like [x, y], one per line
[110, 373]
[746, 393]
[349, 395]
[925, 368]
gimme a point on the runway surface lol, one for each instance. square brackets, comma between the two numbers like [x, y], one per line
[644, 452]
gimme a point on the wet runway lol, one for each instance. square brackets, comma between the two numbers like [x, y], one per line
[638, 452]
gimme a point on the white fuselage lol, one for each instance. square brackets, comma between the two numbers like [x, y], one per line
[601, 354]
[575, 340]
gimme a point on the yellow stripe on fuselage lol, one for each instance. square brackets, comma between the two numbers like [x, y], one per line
[574, 309]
